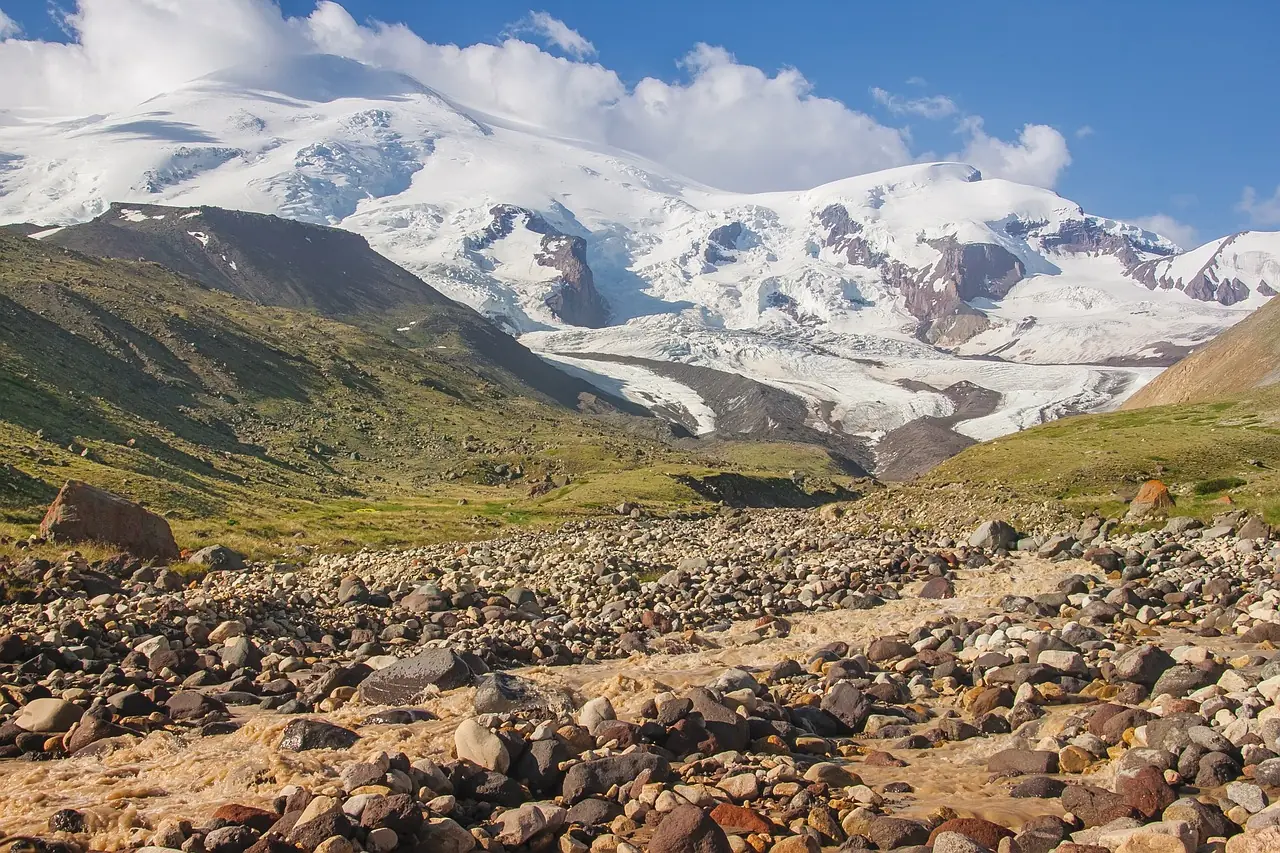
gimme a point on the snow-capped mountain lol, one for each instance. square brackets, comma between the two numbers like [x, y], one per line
[866, 298]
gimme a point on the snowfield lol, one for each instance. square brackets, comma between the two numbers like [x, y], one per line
[762, 285]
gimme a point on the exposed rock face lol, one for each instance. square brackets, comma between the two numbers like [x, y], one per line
[1204, 285]
[576, 300]
[724, 242]
[938, 296]
[84, 513]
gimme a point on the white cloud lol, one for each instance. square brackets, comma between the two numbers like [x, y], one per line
[1181, 233]
[556, 32]
[727, 124]
[8, 26]
[1037, 157]
[935, 107]
[1261, 211]
[917, 81]
[1085, 131]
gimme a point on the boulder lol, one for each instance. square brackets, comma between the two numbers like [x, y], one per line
[599, 775]
[994, 534]
[411, 681]
[84, 513]
[48, 716]
[475, 743]
[304, 734]
[219, 558]
[1152, 499]
[688, 829]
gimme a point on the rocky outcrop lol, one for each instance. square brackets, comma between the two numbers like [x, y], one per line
[938, 296]
[575, 298]
[84, 513]
[724, 242]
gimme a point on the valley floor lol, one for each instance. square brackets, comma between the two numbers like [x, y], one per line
[766, 680]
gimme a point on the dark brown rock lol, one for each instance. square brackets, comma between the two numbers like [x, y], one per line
[688, 829]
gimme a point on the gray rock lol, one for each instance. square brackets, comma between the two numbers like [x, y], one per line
[411, 681]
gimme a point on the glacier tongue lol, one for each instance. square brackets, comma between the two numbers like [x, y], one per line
[866, 298]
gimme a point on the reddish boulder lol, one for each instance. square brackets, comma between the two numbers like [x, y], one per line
[984, 832]
[1152, 498]
[740, 820]
[84, 513]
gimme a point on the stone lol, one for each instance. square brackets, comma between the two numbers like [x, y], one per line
[954, 842]
[1264, 841]
[983, 832]
[884, 649]
[446, 835]
[502, 693]
[796, 844]
[1095, 806]
[889, 833]
[301, 735]
[595, 777]
[740, 820]
[1023, 761]
[848, 705]
[1248, 795]
[1146, 791]
[475, 743]
[1143, 665]
[218, 558]
[397, 812]
[741, 786]
[412, 681]
[994, 534]
[1153, 498]
[517, 826]
[688, 829]
[595, 712]
[48, 716]
[85, 513]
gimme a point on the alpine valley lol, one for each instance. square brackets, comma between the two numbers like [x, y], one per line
[902, 314]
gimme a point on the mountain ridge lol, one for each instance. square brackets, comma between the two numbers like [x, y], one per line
[835, 294]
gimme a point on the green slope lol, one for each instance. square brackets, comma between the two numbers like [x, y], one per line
[1205, 452]
[269, 427]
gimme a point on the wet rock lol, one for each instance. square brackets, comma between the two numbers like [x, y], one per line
[412, 681]
[301, 735]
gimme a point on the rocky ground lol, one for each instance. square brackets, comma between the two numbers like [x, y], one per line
[761, 681]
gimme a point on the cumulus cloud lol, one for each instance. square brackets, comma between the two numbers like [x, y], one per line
[1037, 157]
[1181, 233]
[1261, 211]
[8, 26]
[934, 107]
[556, 32]
[725, 123]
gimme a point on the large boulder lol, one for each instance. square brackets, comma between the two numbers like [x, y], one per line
[1152, 499]
[994, 534]
[84, 513]
[411, 681]
[218, 558]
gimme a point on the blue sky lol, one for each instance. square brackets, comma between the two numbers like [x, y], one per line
[1168, 108]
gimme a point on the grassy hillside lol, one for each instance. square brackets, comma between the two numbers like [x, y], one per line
[1244, 357]
[269, 428]
[1205, 452]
